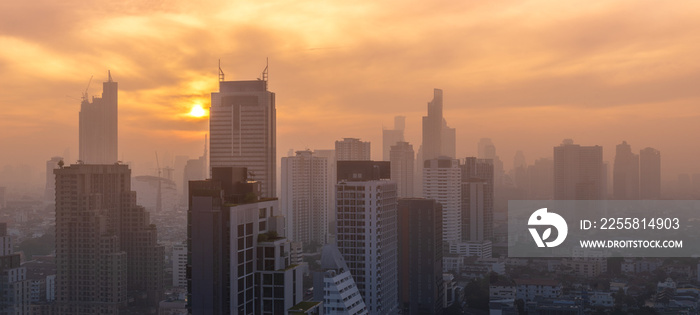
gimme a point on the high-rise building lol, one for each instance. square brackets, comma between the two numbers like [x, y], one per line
[438, 138]
[331, 180]
[402, 166]
[15, 289]
[352, 149]
[477, 199]
[105, 244]
[540, 177]
[392, 136]
[239, 260]
[195, 169]
[487, 150]
[180, 265]
[442, 182]
[578, 172]
[421, 289]
[367, 239]
[50, 188]
[336, 287]
[98, 126]
[242, 127]
[649, 174]
[625, 173]
[304, 197]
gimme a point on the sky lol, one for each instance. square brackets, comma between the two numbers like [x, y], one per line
[526, 74]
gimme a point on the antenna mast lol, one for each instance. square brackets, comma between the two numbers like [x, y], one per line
[85, 94]
[265, 73]
[221, 72]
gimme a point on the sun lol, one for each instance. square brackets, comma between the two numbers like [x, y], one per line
[197, 111]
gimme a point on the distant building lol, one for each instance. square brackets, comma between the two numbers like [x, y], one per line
[477, 199]
[486, 150]
[304, 197]
[156, 194]
[442, 182]
[625, 173]
[481, 249]
[242, 127]
[402, 166]
[331, 180]
[41, 273]
[578, 172]
[390, 137]
[541, 179]
[649, 174]
[15, 289]
[352, 149]
[180, 265]
[420, 256]
[50, 190]
[195, 169]
[438, 139]
[98, 126]
[334, 285]
[529, 289]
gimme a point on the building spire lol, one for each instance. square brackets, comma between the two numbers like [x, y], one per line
[221, 72]
[109, 76]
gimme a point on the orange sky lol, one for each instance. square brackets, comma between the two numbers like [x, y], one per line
[525, 73]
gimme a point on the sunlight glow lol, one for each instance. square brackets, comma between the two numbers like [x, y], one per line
[198, 111]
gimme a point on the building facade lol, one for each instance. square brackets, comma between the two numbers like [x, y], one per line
[578, 172]
[98, 141]
[390, 137]
[352, 149]
[402, 166]
[649, 174]
[442, 182]
[15, 289]
[336, 287]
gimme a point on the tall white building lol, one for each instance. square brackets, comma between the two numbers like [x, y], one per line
[402, 166]
[305, 197]
[442, 182]
[367, 239]
[336, 287]
[243, 133]
[180, 265]
[352, 149]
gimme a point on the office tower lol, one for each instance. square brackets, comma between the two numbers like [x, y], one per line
[366, 237]
[242, 127]
[578, 172]
[180, 265]
[50, 190]
[477, 199]
[391, 136]
[625, 173]
[15, 289]
[487, 150]
[402, 165]
[105, 244]
[336, 287]
[352, 149]
[195, 169]
[421, 289]
[649, 174]
[540, 179]
[330, 183]
[304, 198]
[442, 182]
[98, 126]
[438, 138]
[239, 259]
[180, 162]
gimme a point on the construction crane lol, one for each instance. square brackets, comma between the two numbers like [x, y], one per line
[85, 94]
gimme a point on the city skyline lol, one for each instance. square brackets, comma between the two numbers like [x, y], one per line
[565, 82]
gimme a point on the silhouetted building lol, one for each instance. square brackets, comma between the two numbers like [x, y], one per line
[421, 289]
[98, 126]
[402, 166]
[243, 130]
[487, 150]
[625, 173]
[50, 190]
[15, 289]
[239, 260]
[477, 199]
[304, 195]
[352, 149]
[105, 244]
[649, 174]
[438, 138]
[367, 239]
[336, 287]
[194, 170]
[442, 182]
[578, 172]
[392, 136]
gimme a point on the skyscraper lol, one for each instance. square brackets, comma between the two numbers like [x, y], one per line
[391, 136]
[442, 182]
[367, 239]
[438, 138]
[477, 199]
[625, 173]
[352, 149]
[649, 174]
[242, 127]
[105, 244]
[98, 126]
[50, 189]
[487, 150]
[330, 183]
[578, 172]
[402, 166]
[304, 197]
[421, 289]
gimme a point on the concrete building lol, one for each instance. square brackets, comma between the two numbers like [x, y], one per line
[180, 265]
[50, 190]
[420, 256]
[331, 180]
[625, 173]
[352, 149]
[304, 197]
[486, 150]
[578, 172]
[402, 166]
[367, 238]
[438, 139]
[98, 126]
[242, 127]
[649, 174]
[477, 199]
[529, 289]
[240, 261]
[390, 137]
[41, 272]
[195, 169]
[481, 249]
[442, 182]
[105, 244]
[334, 285]
[15, 289]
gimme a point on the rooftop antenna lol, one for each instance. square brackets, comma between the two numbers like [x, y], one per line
[109, 76]
[221, 72]
[265, 73]
[85, 94]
